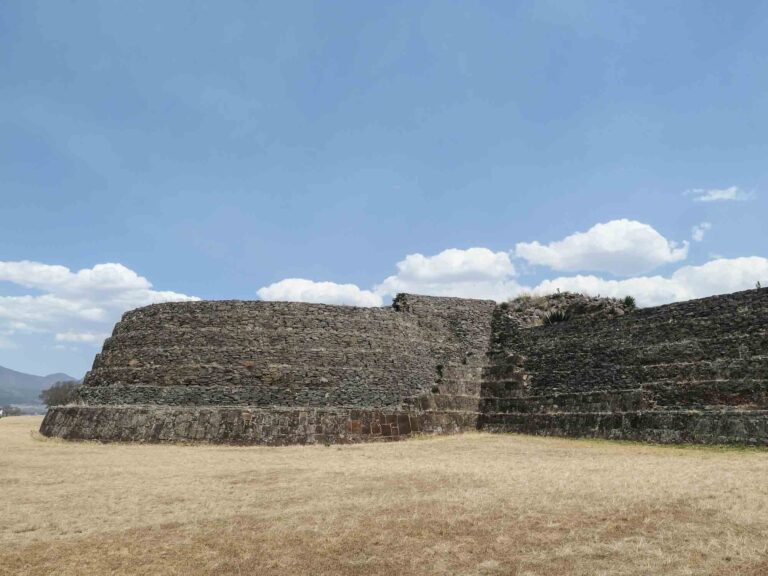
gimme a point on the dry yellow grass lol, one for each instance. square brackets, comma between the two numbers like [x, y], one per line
[471, 504]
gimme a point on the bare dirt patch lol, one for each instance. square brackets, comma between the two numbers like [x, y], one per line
[470, 504]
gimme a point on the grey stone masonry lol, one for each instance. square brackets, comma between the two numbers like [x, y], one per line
[277, 372]
[695, 371]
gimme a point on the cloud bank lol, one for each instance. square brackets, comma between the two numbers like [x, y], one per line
[302, 290]
[730, 194]
[620, 247]
[73, 307]
[79, 308]
[715, 277]
[626, 249]
[470, 273]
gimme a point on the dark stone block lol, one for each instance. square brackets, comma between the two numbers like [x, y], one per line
[354, 426]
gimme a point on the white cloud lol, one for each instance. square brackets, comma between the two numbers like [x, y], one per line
[698, 231]
[647, 290]
[730, 194]
[87, 337]
[719, 276]
[301, 290]
[64, 348]
[621, 247]
[471, 273]
[77, 306]
[723, 275]
[60, 280]
[456, 265]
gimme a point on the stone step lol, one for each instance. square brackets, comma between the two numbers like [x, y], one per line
[708, 393]
[667, 426]
[461, 371]
[418, 378]
[593, 401]
[735, 347]
[243, 355]
[230, 338]
[625, 376]
[447, 402]
[242, 315]
[566, 337]
[509, 388]
[650, 395]
[260, 395]
[456, 388]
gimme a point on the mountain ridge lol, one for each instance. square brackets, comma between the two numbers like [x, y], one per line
[22, 388]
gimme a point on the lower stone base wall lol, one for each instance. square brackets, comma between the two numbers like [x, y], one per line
[668, 427]
[282, 426]
[233, 425]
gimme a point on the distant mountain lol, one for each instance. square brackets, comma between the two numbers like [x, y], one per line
[19, 388]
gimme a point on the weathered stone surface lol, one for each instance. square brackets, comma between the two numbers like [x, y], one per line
[695, 371]
[280, 373]
[273, 426]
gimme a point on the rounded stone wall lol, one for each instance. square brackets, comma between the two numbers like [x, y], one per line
[279, 372]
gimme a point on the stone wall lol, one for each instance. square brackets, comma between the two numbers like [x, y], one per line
[273, 426]
[179, 361]
[277, 353]
[276, 373]
[695, 371]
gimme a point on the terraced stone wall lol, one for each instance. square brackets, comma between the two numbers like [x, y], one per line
[277, 373]
[260, 354]
[186, 365]
[694, 371]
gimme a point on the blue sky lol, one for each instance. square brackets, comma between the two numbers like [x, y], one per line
[164, 150]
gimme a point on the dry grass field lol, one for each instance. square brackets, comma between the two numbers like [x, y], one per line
[471, 504]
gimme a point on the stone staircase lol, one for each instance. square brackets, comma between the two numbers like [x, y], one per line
[692, 372]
